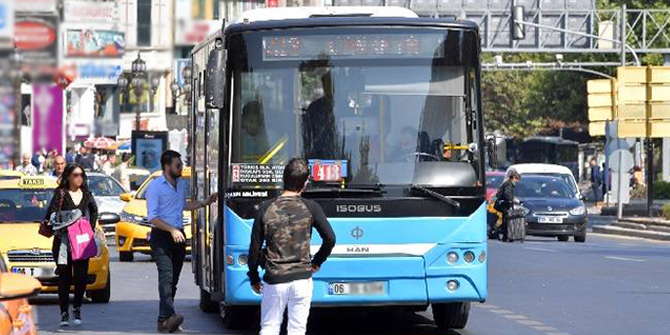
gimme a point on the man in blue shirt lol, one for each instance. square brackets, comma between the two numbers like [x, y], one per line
[166, 202]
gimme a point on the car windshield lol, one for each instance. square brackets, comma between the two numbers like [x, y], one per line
[494, 180]
[141, 193]
[347, 99]
[104, 186]
[565, 177]
[24, 205]
[543, 187]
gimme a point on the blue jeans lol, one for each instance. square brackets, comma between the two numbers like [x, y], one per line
[169, 258]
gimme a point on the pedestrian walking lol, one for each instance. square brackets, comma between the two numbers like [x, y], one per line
[59, 166]
[166, 201]
[284, 225]
[87, 160]
[596, 180]
[606, 182]
[71, 201]
[505, 200]
[26, 166]
[121, 171]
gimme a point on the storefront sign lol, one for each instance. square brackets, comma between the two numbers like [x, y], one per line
[47, 118]
[36, 6]
[6, 19]
[91, 11]
[94, 43]
[36, 38]
[192, 32]
[94, 72]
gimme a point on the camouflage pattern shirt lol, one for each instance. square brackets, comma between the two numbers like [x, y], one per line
[280, 240]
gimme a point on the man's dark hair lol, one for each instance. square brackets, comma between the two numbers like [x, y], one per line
[296, 173]
[167, 157]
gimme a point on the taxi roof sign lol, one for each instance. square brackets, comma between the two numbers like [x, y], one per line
[37, 182]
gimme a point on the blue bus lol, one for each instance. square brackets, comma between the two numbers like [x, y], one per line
[386, 107]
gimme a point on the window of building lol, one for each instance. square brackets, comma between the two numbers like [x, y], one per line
[144, 23]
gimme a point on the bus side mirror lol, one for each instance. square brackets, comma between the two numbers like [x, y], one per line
[492, 151]
[215, 76]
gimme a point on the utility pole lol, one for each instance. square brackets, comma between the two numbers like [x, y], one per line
[623, 34]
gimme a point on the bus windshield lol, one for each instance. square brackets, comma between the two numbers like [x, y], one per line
[385, 107]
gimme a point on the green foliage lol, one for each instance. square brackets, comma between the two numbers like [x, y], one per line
[666, 211]
[661, 190]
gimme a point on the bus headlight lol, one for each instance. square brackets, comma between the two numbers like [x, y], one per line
[577, 211]
[452, 257]
[230, 259]
[242, 259]
[482, 257]
[469, 256]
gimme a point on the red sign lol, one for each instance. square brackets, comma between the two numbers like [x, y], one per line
[326, 172]
[33, 35]
[65, 77]
[273, 3]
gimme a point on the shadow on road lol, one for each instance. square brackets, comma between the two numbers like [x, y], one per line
[331, 321]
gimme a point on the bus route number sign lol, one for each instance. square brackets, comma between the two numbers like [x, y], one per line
[328, 170]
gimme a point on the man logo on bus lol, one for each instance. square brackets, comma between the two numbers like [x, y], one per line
[357, 232]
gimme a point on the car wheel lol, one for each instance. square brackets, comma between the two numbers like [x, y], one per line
[126, 256]
[206, 303]
[103, 296]
[237, 317]
[563, 238]
[452, 315]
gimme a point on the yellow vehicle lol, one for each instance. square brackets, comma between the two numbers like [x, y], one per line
[23, 204]
[16, 315]
[10, 174]
[133, 230]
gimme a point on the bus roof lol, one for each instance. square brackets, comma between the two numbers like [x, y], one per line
[285, 13]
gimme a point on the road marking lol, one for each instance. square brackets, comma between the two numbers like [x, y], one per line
[539, 249]
[530, 322]
[487, 306]
[515, 317]
[501, 311]
[545, 328]
[523, 320]
[557, 333]
[625, 259]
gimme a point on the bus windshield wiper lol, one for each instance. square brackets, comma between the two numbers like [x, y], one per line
[437, 196]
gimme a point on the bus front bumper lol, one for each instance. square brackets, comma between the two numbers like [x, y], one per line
[406, 280]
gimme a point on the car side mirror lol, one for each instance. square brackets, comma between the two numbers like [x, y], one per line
[126, 196]
[109, 218]
[18, 286]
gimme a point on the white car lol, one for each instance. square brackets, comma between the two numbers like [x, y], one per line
[106, 191]
[549, 170]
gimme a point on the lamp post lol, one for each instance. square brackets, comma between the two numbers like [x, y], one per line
[184, 90]
[137, 81]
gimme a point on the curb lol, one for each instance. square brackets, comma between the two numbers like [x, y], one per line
[629, 232]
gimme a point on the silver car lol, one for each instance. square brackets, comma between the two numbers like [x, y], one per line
[106, 191]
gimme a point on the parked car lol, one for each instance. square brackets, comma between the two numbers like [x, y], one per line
[16, 314]
[551, 207]
[107, 190]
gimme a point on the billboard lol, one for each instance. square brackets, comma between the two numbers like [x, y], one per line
[36, 6]
[91, 11]
[94, 43]
[47, 117]
[36, 38]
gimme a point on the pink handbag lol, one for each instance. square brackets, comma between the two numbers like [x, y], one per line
[82, 240]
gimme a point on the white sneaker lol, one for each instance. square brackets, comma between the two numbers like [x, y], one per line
[77, 317]
[64, 319]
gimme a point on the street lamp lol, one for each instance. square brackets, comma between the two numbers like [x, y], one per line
[137, 81]
[178, 90]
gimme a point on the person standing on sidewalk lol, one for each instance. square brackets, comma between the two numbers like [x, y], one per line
[166, 201]
[596, 180]
[284, 225]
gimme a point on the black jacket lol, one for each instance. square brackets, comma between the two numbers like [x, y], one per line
[505, 195]
[87, 206]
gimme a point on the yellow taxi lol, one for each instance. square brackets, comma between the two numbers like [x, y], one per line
[10, 174]
[23, 204]
[133, 230]
[16, 315]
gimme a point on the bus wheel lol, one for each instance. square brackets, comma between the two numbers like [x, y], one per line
[236, 317]
[451, 315]
[126, 256]
[206, 303]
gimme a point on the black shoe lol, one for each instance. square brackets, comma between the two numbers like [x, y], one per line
[64, 319]
[77, 316]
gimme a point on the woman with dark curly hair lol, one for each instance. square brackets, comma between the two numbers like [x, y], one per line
[72, 199]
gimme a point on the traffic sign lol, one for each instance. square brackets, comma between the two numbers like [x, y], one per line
[621, 159]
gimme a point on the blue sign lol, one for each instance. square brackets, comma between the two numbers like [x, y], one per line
[3, 16]
[99, 70]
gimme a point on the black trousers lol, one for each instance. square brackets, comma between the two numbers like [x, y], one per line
[73, 273]
[169, 258]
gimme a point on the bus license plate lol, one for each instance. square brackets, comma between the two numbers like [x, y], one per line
[549, 219]
[35, 272]
[368, 288]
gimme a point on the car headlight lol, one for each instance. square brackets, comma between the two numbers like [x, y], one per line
[580, 210]
[130, 218]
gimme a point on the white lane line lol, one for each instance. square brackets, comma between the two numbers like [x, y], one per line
[557, 333]
[530, 322]
[539, 249]
[500, 311]
[515, 317]
[625, 259]
[487, 306]
[545, 328]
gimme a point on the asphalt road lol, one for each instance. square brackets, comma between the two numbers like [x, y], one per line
[541, 287]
